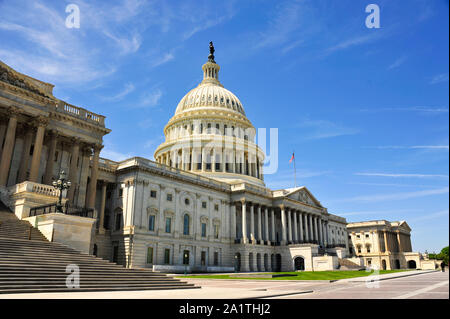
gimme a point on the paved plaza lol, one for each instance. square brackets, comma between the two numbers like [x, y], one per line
[423, 285]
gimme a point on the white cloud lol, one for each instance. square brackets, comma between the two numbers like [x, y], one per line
[150, 99]
[404, 175]
[129, 87]
[163, 59]
[320, 129]
[430, 216]
[427, 147]
[439, 78]
[397, 63]
[396, 196]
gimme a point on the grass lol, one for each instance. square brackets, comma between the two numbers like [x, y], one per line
[304, 275]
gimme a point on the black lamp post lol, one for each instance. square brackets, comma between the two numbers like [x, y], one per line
[61, 184]
[235, 263]
[185, 263]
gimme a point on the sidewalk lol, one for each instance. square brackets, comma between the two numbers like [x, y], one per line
[387, 276]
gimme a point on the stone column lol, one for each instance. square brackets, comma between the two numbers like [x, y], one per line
[233, 222]
[73, 168]
[295, 226]
[272, 222]
[316, 233]
[90, 203]
[320, 231]
[283, 225]
[213, 161]
[289, 224]
[311, 228]
[36, 160]
[252, 222]
[266, 222]
[25, 159]
[386, 247]
[8, 147]
[101, 229]
[300, 226]
[259, 224]
[3, 127]
[50, 159]
[306, 228]
[244, 222]
[325, 236]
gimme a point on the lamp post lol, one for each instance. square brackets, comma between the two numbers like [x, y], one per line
[185, 263]
[235, 263]
[61, 184]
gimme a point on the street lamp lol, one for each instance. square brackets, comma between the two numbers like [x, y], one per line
[61, 184]
[185, 263]
[235, 263]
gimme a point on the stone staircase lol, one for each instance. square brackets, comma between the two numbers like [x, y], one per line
[37, 265]
[345, 264]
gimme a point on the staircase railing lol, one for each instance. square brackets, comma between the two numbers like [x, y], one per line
[66, 209]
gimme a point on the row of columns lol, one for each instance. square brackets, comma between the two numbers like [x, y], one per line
[40, 124]
[296, 226]
[188, 160]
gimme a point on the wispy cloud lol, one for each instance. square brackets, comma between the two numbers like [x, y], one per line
[354, 41]
[50, 51]
[320, 129]
[431, 216]
[397, 63]
[439, 78]
[163, 59]
[420, 109]
[404, 175]
[129, 87]
[427, 147]
[396, 196]
[378, 213]
[150, 99]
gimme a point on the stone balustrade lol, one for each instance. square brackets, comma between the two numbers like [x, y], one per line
[36, 188]
[80, 112]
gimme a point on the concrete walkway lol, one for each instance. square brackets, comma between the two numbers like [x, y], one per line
[224, 289]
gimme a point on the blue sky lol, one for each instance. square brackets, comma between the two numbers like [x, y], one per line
[366, 110]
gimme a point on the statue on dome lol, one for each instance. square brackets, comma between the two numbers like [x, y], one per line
[211, 52]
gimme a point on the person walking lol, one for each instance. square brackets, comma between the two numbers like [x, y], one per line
[443, 266]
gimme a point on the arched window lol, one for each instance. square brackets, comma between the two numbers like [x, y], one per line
[186, 225]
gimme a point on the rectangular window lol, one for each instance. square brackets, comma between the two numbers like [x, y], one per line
[216, 207]
[56, 156]
[149, 255]
[169, 197]
[167, 256]
[216, 258]
[120, 192]
[153, 194]
[151, 223]
[203, 258]
[168, 224]
[203, 204]
[203, 230]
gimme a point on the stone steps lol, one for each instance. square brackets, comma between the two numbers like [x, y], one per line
[37, 265]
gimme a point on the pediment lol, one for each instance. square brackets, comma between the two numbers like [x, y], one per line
[302, 194]
[12, 77]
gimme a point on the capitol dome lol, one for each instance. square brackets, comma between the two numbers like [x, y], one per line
[210, 133]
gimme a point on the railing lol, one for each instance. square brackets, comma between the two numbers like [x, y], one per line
[66, 209]
[80, 112]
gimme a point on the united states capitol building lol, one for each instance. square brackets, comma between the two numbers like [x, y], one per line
[201, 206]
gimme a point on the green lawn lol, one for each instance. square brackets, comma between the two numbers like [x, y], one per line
[304, 275]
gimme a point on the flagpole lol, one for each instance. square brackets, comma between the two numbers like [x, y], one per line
[295, 172]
